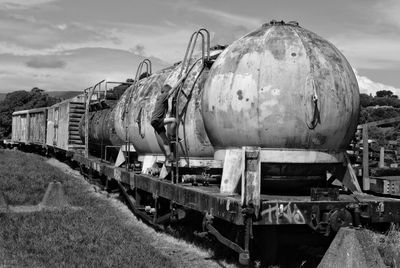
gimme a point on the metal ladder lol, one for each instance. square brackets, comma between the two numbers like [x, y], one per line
[135, 85]
[185, 70]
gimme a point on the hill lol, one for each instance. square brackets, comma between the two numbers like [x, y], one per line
[63, 95]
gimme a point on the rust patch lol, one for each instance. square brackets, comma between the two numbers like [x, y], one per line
[258, 33]
[277, 47]
[240, 94]
[319, 139]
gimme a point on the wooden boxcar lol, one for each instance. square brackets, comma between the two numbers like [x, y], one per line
[29, 126]
[63, 124]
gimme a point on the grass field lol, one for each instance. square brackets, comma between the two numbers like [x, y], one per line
[96, 235]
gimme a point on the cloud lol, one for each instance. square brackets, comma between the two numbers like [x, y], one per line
[45, 62]
[138, 49]
[369, 51]
[368, 86]
[85, 67]
[389, 11]
[21, 36]
[228, 18]
[22, 4]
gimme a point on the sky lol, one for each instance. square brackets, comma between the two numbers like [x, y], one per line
[71, 44]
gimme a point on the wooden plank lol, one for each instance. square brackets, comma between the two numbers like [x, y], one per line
[75, 115]
[380, 122]
[232, 171]
[77, 109]
[76, 120]
[365, 159]
[251, 182]
[28, 126]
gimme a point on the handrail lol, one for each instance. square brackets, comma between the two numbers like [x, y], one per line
[135, 85]
[114, 82]
[192, 50]
[208, 41]
[205, 48]
[205, 56]
[87, 99]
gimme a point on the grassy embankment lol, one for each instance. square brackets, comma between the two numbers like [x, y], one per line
[93, 236]
[389, 246]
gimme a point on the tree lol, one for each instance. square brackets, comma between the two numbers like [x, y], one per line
[384, 93]
[365, 100]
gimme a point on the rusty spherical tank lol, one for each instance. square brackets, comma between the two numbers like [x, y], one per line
[133, 114]
[139, 102]
[281, 86]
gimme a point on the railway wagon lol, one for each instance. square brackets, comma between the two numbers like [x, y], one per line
[63, 124]
[29, 126]
[267, 116]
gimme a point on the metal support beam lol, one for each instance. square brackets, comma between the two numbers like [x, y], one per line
[251, 178]
[365, 160]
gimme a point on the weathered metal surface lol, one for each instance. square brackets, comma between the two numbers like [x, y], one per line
[101, 129]
[141, 105]
[261, 92]
[274, 209]
[29, 126]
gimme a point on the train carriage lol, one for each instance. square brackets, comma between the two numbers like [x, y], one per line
[263, 128]
[63, 124]
[29, 126]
